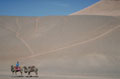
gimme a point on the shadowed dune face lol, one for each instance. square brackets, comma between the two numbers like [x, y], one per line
[103, 7]
[62, 44]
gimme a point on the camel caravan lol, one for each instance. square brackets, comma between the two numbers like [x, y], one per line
[27, 70]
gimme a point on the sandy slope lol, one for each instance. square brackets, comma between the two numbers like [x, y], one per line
[103, 7]
[86, 45]
[62, 46]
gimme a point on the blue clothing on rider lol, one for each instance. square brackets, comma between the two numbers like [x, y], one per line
[17, 64]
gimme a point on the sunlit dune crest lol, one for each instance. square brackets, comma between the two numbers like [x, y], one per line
[103, 7]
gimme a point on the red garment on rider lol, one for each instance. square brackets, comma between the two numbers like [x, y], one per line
[17, 68]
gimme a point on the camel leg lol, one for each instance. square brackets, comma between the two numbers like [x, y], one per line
[21, 73]
[36, 73]
[28, 73]
[15, 73]
[12, 73]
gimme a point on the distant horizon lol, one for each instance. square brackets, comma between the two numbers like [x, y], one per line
[42, 7]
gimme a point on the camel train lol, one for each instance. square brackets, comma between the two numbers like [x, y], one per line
[24, 69]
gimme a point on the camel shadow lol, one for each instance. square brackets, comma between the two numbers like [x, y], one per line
[24, 76]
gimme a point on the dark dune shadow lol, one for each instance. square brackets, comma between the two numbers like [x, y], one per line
[24, 76]
[17, 76]
[31, 76]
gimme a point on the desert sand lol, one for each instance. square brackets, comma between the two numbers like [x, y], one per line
[103, 7]
[62, 47]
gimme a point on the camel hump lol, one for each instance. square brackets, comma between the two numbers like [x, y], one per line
[33, 66]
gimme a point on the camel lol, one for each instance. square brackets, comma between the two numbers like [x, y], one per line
[14, 70]
[30, 69]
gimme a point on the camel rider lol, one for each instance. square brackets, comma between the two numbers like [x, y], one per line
[17, 65]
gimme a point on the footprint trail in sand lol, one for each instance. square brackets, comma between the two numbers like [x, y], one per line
[22, 40]
[75, 44]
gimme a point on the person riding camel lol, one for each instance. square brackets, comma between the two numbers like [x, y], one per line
[17, 66]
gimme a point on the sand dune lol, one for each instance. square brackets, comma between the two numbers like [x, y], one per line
[85, 45]
[62, 44]
[103, 7]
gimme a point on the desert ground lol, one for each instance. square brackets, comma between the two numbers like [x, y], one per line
[79, 46]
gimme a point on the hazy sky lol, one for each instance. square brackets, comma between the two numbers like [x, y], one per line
[42, 7]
